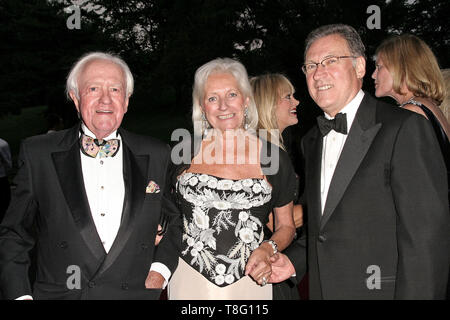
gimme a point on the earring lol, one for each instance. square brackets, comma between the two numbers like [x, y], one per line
[205, 125]
[246, 125]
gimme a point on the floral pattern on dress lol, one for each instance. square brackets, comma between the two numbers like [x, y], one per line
[221, 205]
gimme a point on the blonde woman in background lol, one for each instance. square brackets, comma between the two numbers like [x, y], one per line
[407, 71]
[277, 106]
[277, 110]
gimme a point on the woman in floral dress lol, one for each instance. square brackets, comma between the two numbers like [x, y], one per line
[226, 192]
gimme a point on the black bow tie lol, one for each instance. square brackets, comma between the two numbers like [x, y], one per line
[338, 124]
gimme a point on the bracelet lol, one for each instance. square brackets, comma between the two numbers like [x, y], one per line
[273, 244]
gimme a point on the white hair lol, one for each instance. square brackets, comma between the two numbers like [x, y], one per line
[222, 65]
[78, 67]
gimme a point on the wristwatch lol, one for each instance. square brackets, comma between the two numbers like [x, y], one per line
[273, 244]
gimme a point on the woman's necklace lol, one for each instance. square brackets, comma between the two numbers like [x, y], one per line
[410, 101]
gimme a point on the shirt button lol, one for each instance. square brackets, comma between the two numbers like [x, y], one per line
[102, 187]
[322, 238]
[91, 284]
[101, 161]
[125, 286]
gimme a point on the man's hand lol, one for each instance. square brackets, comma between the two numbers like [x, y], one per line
[154, 280]
[282, 268]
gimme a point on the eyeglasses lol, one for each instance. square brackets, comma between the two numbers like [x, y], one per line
[309, 68]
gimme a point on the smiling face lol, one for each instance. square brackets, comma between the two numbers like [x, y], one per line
[286, 111]
[102, 100]
[333, 87]
[223, 102]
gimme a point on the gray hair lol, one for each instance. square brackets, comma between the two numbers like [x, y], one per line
[347, 32]
[78, 67]
[222, 65]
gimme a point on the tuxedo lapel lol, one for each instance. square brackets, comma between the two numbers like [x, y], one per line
[360, 137]
[315, 145]
[67, 164]
[134, 173]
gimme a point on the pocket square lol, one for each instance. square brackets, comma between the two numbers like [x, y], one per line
[152, 187]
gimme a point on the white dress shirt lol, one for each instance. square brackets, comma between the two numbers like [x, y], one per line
[333, 144]
[105, 190]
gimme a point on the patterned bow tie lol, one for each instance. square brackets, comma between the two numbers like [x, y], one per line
[104, 148]
[338, 124]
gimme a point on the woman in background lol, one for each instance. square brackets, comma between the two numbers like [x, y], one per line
[277, 110]
[407, 71]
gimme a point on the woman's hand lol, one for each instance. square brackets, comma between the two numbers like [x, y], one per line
[258, 265]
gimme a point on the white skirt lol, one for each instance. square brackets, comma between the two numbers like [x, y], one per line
[188, 284]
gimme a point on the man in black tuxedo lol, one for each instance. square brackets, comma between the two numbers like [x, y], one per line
[89, 199]
[375, 188]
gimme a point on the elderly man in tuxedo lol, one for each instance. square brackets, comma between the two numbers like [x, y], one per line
[375, 188]
[89, 199]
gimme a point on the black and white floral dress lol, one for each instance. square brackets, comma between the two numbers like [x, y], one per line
[223, 222]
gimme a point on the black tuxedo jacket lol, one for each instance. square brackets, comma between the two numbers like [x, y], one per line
[384, 232]
[50, 210]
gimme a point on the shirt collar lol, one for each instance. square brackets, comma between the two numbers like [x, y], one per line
[112, 135]
[351, 108]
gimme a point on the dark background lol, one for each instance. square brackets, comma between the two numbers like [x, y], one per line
[165, 41]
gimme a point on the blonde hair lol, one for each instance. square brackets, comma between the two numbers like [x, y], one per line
[267, 91]
[222, 65]
[411, 61]
[445, 105]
